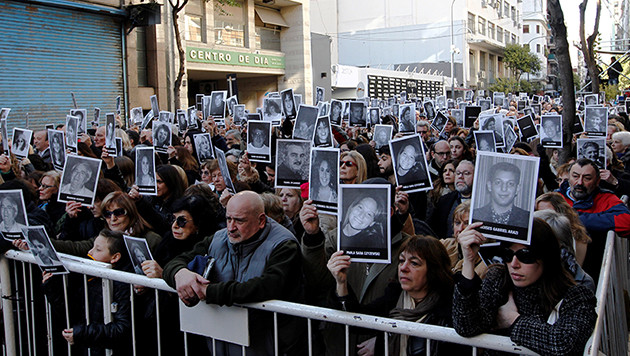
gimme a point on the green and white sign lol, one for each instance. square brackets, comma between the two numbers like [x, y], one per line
[215, 56]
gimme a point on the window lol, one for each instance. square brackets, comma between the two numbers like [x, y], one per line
[500, 8]
[526, 46]
[537, 48]
[471, 62]
[537, 28]
[482, 26]
[141, 53]
[513, 13]
[506, 9]
[471, 22]
[482, 61]
[513, 38]
[499, 34]
[507, 37]
[194, 29]
[491, 30]
[229, 26]
[268, 38]
[525, 28]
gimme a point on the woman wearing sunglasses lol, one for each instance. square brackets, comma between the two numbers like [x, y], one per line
[531, 297]
[352, 168]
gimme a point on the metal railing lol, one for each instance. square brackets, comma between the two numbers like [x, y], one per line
[610, 335]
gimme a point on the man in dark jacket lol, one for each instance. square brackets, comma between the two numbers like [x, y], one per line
[256, 260]
[441, 220]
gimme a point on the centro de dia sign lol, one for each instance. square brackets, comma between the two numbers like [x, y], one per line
[214, 56]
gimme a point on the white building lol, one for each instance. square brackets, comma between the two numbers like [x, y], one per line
[535, 34]
[417, 36]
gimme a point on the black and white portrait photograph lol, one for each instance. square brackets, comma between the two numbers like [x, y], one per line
[161, 136]
[322, 108]
[138, 252]
[191, 114]
[166, 116]
[4, 113]
[12, 214]
[298, 99]
[395, 110]
[71, 133]
[497, 98]
[136, 115]
[590, 99]
[510, 138]
[231, 103]
[203, 147]
[272, 110]
[81, 115]
[468, 95]
[407, 122]
[56, 143]
[145, 170]
[537, 109]
[493, 122]
[323, 137]
[527, 128]
[336, 112]
[410, 164]
[485, 104]
[43, 251]
[252, 116]
[146, 120]
[79, 179]
[403, 96]
[217, 105]
[182, 120]
[429, 109]
[358, 114]
[458, 115]
[5, 136]
[319, 95]
[324, 179]
[593, 149]
[551, 133]
[21, 142]
[439, 122]
[288, 104]
[484, 141]
[471, 113]
[110, 133]
[375, 116]
[440, 102]
[119, 147]
[155, 108]
[503, 196]
[240, 117]
[382, 135]
[529, 111]
[227, 178]
[363, 223]
[595, 120]
[259, 141]
[292, 162]
[305, 122]
[520, 105]
[97, 117]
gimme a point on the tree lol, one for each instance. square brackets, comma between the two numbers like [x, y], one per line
[520, 60]
[555, 18]
[587, 44]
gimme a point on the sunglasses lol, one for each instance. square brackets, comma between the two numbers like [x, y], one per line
[524, 255]
[348, 164]
[180, 221]
[117, 213]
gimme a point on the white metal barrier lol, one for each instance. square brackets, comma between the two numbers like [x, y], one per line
[610, 335]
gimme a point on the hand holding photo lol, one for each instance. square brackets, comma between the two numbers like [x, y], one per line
[259, 141]
[79, 180]
[593, 149]
[42, 249]
[12, 214]
[324, 178]
[410, 165]
[145, 170]
[551, 133]
[292, 164]
[139, 252]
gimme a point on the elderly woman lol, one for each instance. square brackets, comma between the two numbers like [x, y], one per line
[621, 147]
[422, 293]
[48, 189]
[352, 168]
[530, 297]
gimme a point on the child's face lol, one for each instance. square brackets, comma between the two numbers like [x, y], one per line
[100, 250]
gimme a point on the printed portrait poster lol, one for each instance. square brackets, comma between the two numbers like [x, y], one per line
[139, 252]
[484, 141]
[439, 122]
[231, 103]
[591, 99]
[358, 114]
[203, 147]
[324, 179]
[81, 115]
[161, 136]
[593, 149]
[292, 163]
[119, 147]
[154, 106]
[146, 120]
[56, 142]
[71, 133]
[510, 139]
[407, 121]
[240, 116]
[225, 172]
[595, 120]
[485, 104]
[136, 115]
[471, 113]
[97, 117]
[4, 113]
[182, 120]
[364, 221]
[410, 165]
[382, 135]
[12, 214]
[110, 134]
[79, 180]
[493, 122]
[21, 142]
[429, 110]
[191, 114]
[323, 136]
[503, 196]
[259, 141]
[458, 114]
[336, 112]
[272, 110]
[305, 122]
[288, 104]
[217, 104]
[551, 132]
[5, 135]
[145, 170]
[42, 249]
[166, 116]
[527, 128]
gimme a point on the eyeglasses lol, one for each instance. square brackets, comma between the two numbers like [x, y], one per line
[180, 221]
[422, 131]
[117, 213]
[348, 164]
[46, 186]
[464, 173]
[524, 255]
[443, 153]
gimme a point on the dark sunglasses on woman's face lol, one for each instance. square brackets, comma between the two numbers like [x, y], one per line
[524, 255]
[348, 164]
[117, 213]
[180, 221]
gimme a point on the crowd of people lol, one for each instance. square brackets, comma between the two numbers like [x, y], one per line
[256, 242]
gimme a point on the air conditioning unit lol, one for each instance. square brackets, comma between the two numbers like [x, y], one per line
[482, 74]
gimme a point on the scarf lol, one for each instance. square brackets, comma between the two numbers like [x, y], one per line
[407, 309]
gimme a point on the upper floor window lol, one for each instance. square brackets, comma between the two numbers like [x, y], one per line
[229, 25]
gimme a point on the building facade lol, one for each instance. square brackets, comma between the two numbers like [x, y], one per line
[535, 36]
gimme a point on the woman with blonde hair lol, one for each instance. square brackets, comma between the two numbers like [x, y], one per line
[352, 168]
[460, 222]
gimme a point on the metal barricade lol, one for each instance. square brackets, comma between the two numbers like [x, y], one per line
[610, 336]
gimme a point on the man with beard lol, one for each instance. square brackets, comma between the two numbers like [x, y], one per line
[291, 167]
[441, 220]
[385, 164]
[600, 211]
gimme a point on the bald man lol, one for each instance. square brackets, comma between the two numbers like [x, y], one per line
[256, 259]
